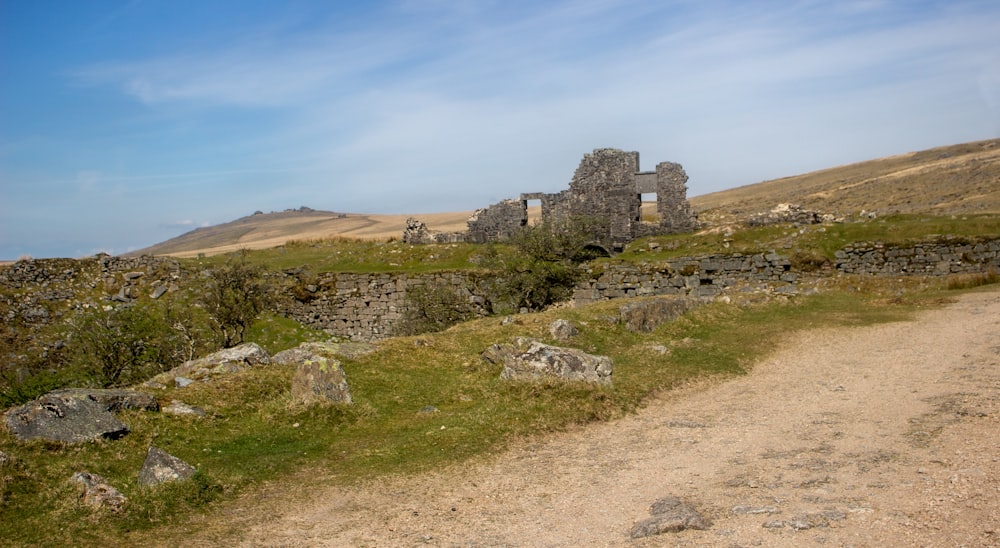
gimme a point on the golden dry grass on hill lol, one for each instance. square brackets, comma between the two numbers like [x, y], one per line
[954, 179]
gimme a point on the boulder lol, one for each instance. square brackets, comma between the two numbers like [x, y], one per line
[113, 399]
[65, 417]
[96, 492]
[318, 377]
[229, 360]
[530, 359]
[562, 330]
[668, 515]
[160, 467]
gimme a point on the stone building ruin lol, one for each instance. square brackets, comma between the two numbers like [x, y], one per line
[607, 187]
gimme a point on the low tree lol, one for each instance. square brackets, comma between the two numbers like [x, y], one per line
[235, 297]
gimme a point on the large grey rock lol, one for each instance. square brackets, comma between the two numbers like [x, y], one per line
[161, 467]
[668, 515]
[64, 417]
[530, 359]
[318, 377]
[229, 360]
[96, 492]
[113, 399]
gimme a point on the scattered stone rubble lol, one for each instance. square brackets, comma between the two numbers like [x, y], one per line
[790, 213]
[668, 515]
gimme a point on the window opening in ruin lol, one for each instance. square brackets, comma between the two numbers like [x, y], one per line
[534, 211]
[650, 211]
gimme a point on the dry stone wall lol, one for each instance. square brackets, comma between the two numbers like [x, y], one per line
[928, 259]
[367, 307]
[692, 276]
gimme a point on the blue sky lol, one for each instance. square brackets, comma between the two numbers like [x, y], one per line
[124, 123]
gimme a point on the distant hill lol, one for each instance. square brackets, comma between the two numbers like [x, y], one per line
[264, 230]
[956, 179]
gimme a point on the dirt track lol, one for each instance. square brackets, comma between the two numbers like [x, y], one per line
[878, 436]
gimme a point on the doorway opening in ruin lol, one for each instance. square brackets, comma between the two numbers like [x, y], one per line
[650, 212]
[534, 208]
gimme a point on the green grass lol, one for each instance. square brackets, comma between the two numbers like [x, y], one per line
[254, 434]
[820, 240]
[349, 255]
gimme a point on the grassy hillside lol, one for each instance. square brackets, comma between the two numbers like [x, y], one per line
[956, 179]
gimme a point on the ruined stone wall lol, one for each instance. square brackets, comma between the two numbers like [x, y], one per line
[366, 307]
[695, 276]
[671, 199]
[497, 222]
[933, 259]
[603, 187]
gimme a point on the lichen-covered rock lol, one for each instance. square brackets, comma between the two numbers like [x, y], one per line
[113, 399]
[530, 359]
[64, 417]
[160, 467]
[563, 330]
[320, 378]
[97, 493]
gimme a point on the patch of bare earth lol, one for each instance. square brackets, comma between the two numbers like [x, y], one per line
[870, 436]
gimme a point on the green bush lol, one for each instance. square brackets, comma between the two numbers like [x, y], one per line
[129, 344]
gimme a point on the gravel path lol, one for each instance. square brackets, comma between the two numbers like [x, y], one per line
[875, 436]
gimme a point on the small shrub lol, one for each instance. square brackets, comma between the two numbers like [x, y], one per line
[235, 296]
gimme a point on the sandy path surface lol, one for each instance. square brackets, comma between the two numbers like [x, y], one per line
[874, 436]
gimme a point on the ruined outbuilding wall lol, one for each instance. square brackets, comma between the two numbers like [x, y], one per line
[496, 222]
[607, 187]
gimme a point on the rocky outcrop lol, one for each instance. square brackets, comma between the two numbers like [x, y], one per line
[529, 359]
[97, 493]
[161, 467]
[75, 415]
[668, 515]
